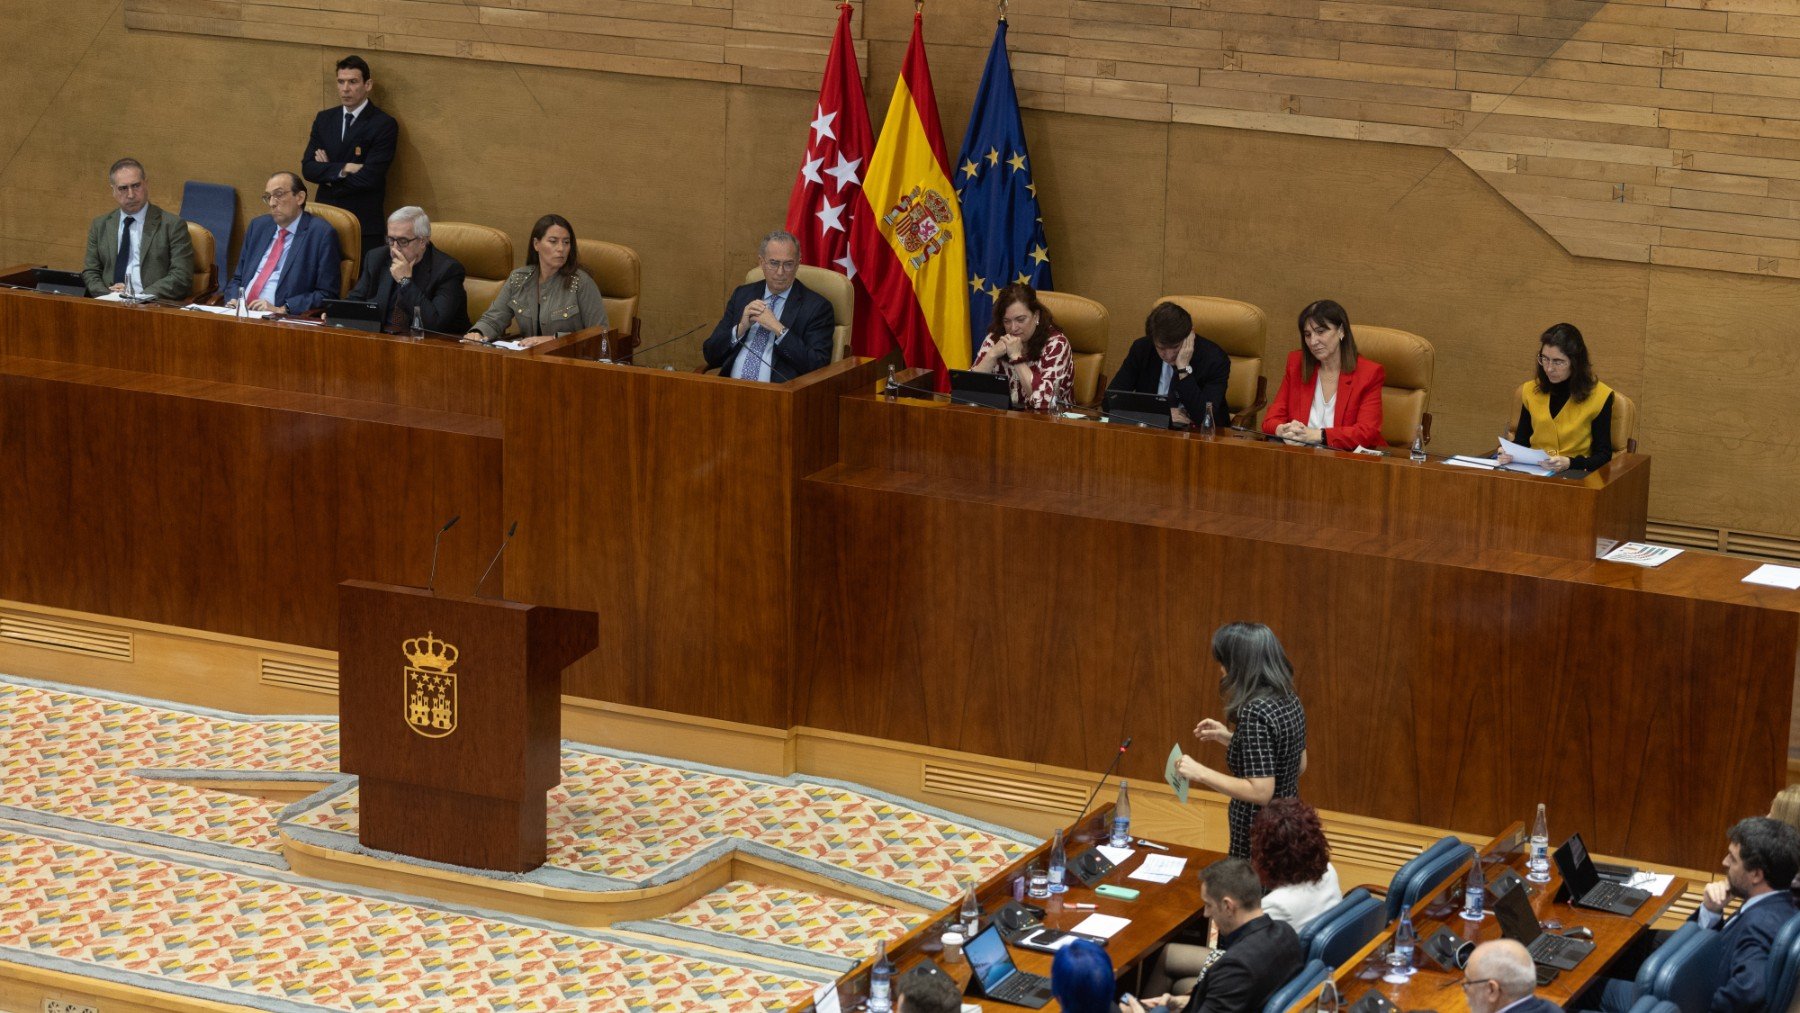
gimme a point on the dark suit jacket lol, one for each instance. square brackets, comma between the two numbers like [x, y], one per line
[371, 143]
[311, 274]
[436, 287]
[1259, 958]
[805, 346]
[165, 264]
[1358, 403]
[1534, 1004]
[1142, 372]
[1745, 961]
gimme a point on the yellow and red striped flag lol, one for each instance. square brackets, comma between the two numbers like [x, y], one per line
[908, 240]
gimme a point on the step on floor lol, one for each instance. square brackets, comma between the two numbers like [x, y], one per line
[799, 925]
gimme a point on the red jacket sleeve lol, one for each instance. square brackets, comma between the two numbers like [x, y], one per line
[1282, 408]
[1360, 419]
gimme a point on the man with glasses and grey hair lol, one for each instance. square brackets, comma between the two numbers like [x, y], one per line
[410, 275]
[775, 329]
[1501, 976]
[140, 248]
[289, 261]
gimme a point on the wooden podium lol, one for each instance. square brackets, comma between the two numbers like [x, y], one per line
[450, 717]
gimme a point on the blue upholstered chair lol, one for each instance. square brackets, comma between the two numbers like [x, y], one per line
[1310, 977]
[1338, 934]
[1784, 967]
[1651, 1004]
[1413, 881]
[1684, 970]
[213, 206]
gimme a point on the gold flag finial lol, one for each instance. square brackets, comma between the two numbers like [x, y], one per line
[1003, 10]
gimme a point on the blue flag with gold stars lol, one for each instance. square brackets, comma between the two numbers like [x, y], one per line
[1005, 230]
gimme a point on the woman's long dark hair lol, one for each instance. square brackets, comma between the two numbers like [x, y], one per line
[1566, 339]
[1255, 666]
[570, 266]
[1326, 313]
[1017, 293]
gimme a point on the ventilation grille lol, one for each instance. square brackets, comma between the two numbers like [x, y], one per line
[1757, 545]
[999, 788]
[307, 676]
[61, 635]
[1361, 847]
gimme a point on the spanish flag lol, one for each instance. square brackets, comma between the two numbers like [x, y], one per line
[909, 238]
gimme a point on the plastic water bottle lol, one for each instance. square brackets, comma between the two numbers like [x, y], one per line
[1207, 426]
[881, 977]
[1475, 894]
[1400, 957]
[1538, 866]
[605, 349]
[1059, 864]
[1328, 998]
[1418, 445]
[418, 324]
[891, 391]
[971, 912]
[243, 307]
[1121, 828]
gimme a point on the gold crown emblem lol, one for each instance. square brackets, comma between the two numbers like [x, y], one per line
[428, 652]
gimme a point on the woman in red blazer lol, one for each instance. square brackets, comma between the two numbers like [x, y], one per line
[1349, 416]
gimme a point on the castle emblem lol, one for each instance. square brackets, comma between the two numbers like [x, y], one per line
[918, 222]
[430, 686]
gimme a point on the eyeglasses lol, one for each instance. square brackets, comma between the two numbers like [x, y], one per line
[781, 265]
[402, 242]
[275, 195]
[1546, 361]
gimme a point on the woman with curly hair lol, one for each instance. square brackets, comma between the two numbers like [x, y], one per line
[1289, 852]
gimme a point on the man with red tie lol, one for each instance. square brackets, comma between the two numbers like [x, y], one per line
[289, 263]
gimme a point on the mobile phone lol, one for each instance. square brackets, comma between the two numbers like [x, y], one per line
[1116, 892]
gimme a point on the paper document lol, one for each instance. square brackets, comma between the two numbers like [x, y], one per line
[1525, 459]
[1641, 554]
[1117, 856]
[1465, 461]
[1775, 576]
[1159, 868]
[1172, 774]
[226, 311]
[825, 1000]
[1101, 926]
[1654, 882]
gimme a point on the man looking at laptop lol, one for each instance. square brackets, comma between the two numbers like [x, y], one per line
[1256, 953]
[1500, 978]
[1760, 864]
[1173, 361]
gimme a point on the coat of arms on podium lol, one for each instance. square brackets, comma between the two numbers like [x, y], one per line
[430, 686]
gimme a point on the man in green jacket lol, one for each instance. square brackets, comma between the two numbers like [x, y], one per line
[151, 255]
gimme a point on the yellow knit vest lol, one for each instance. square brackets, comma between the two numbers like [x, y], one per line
[1569, 433]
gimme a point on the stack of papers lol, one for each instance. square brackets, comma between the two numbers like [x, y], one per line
[227, 311]
[1159, 868]
[1641, 554]
[1117, 856]
[1775, 576]
[1099, 926]
[1654, 882]
[1525, 459]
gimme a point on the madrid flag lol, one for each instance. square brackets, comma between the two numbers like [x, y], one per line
[908, 238]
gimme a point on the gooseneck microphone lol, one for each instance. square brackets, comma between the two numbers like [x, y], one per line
[431, 585]
[650, 348]
[1103, 777]
[504, 542]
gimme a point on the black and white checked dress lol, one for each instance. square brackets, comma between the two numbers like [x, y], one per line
[1267, 742]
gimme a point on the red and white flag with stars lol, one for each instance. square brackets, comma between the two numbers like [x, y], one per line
[822, 207]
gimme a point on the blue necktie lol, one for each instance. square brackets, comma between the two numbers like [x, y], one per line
[757, 348]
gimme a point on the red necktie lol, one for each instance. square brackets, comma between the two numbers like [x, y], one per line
[262, 277]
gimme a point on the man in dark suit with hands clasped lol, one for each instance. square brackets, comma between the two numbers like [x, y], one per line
[775, 329]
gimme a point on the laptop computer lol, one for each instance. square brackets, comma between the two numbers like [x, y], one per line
[988, 389]
[1133, 407]
[50, 279]
[1587, 889]
[352, 313]
[1518, 922]
[996, 976]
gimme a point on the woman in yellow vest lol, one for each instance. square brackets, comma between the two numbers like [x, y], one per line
[1565, 412]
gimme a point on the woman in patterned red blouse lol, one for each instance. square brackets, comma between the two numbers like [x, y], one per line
[1026, 346]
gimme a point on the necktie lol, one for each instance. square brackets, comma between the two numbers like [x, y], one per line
[348, 119]
[262, 277]
[124, 257]
[757, 349]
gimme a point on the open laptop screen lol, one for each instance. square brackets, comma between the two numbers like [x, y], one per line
[989, 959]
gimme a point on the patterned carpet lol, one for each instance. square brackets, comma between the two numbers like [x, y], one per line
[116, 872]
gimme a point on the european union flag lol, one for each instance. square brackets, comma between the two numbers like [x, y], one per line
[1005, 234]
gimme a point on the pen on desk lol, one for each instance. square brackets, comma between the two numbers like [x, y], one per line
[1151, 844]
[1079, 907]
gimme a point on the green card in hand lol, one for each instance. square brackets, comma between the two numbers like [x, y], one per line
[1172, 774]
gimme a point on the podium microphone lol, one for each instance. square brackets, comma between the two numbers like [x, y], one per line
[1109, 772]
[650, 348]
[504, 542]
[431, 585]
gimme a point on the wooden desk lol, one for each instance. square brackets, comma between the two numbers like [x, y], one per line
[1449, 683]
[1158, 913]
[1430, 988]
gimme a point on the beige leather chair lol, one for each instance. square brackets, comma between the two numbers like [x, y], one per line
[1624, 423]
[486, 254]
[1242, 330]
[1410, 362]
[349, 233]
[206, 267]
[834, 287]
[1087, 326]
[619, 274]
